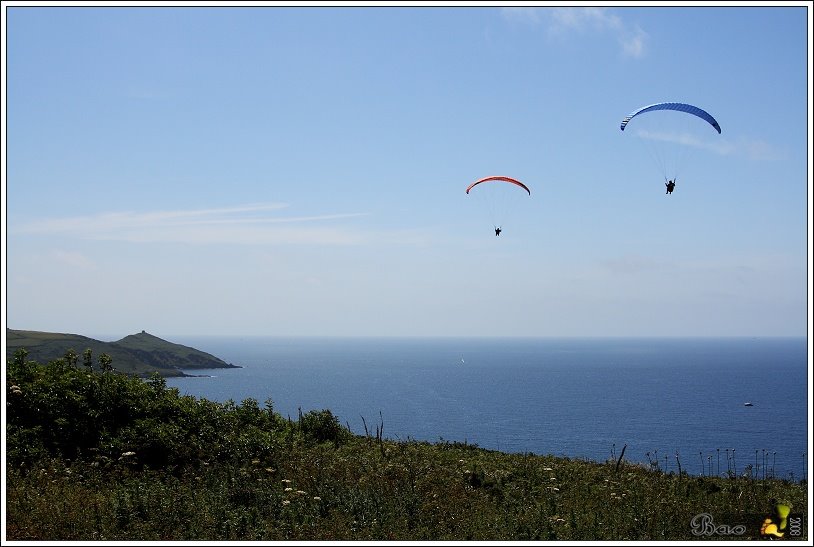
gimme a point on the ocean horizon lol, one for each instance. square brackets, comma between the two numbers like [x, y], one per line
[713, 406]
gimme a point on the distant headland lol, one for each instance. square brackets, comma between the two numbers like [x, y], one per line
[139, 354]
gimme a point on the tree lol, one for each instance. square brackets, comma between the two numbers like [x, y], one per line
[71, 357]
[105, 362]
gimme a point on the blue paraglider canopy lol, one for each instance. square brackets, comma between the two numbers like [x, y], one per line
[679, 107]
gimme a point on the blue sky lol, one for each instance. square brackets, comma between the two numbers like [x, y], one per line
[301, 171]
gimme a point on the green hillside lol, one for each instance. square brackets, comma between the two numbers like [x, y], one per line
[111, 458]
[140, 354]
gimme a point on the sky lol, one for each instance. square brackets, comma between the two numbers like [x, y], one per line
[301, 170]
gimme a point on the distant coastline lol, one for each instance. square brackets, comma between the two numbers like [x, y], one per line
[140, 354]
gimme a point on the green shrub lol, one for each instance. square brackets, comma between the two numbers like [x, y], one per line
[323, 426]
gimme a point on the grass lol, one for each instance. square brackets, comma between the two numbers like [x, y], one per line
[163, 467]
[360, 491]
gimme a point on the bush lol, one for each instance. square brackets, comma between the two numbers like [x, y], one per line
[323, 426]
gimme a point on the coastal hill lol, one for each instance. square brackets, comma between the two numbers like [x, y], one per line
[138, 354]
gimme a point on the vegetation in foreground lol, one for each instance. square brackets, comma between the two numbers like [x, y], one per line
[95, 455]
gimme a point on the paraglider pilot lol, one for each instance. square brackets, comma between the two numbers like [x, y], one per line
[670, 184]
[497, 231]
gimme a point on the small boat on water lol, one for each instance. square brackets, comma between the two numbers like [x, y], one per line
[748, 404]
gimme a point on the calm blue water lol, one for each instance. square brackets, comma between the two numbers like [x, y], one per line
[580, 398]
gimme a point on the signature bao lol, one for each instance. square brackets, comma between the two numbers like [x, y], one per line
[704, 525]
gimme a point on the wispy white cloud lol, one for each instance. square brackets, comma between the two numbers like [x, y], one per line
[757, 149]
[561, 21]
[684, 139]
[245, 224]
[72, 259]
[633, 41]
[634, 264]
[753, 149]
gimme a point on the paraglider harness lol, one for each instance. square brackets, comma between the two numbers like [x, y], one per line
[670, 184]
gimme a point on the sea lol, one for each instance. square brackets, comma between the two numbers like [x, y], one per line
[711, 406]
